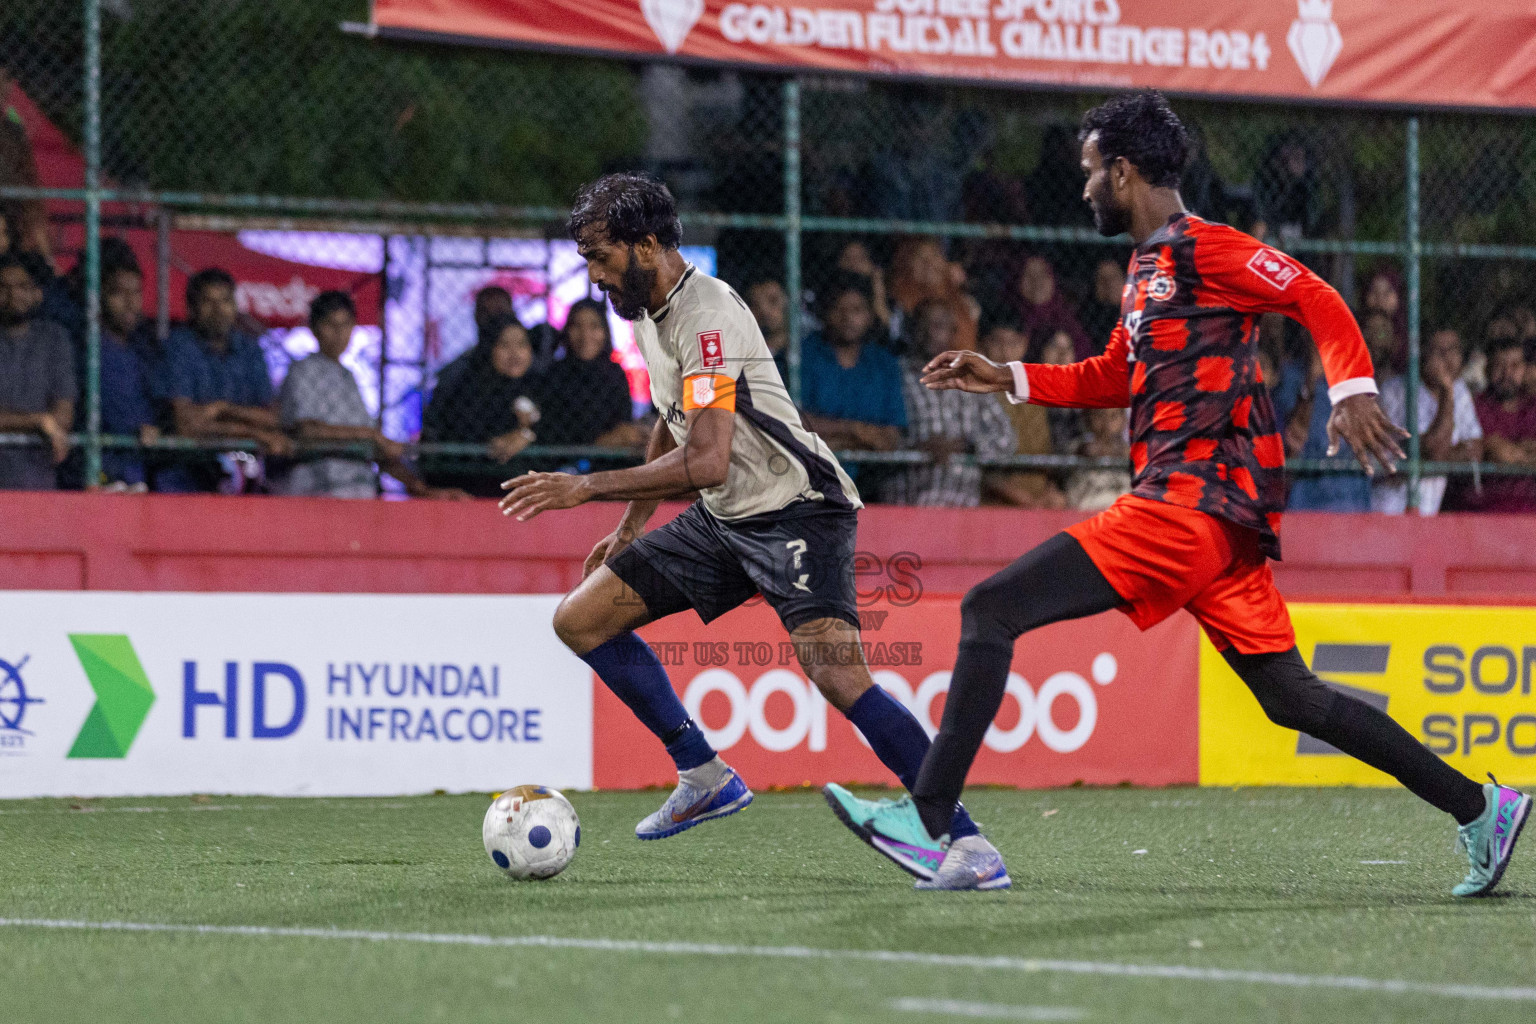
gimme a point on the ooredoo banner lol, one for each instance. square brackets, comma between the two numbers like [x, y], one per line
[1421, 52]
[106, 694]
[1459, 679]
[1094, 701]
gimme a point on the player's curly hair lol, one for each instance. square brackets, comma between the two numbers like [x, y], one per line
[629, 206]
[1141, 127]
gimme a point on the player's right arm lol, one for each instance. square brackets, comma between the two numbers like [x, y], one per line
[638, 512]
[1102, 382]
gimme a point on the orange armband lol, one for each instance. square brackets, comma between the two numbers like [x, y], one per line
[709, 391]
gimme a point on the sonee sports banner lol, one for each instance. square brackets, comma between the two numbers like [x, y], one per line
[1459, 679]
[1417, 53]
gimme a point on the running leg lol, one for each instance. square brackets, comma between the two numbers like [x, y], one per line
[830, 652]
[597, 622]
[1055, 581]
[1294, 698]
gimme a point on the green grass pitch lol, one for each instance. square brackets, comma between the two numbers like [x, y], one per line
[1267, 900]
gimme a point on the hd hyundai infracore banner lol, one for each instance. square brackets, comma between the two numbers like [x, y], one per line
[1421, 52]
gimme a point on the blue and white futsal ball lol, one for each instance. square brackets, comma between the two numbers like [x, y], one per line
[531, 832]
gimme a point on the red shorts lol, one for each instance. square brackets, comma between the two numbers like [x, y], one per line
[1161, 557]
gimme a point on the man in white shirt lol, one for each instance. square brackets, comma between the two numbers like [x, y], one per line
[1450, 431]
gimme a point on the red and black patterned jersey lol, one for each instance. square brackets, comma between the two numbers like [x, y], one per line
[1184, 357]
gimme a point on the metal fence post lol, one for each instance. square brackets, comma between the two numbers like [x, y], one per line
[92, 243]
[383, 332]
[792, 229]
[1411, 383]
[163, 275]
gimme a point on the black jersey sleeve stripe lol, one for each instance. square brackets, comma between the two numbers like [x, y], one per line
[821, 473]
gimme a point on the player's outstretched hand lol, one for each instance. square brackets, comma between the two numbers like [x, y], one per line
[1360, 421]
[532, 493]
[966, 371]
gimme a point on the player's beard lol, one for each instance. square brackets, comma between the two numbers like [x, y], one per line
[634, 289]
[1109, 220]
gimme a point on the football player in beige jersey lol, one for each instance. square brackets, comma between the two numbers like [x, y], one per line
[776, 515]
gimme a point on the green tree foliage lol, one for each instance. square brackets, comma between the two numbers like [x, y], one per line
[270, 96]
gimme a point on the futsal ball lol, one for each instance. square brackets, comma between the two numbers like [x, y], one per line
[531, 832]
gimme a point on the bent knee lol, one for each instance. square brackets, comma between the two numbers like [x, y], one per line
[982, 613]
[574, 625]
[1287, 716]
[1304, 711]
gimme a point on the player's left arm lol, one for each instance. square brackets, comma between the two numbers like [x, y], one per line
[1242, 273]
[701, 462]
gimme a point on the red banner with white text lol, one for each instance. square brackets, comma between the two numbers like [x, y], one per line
[1421, 52]
[1095, 701]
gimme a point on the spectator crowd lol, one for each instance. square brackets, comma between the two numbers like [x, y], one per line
[881, 308]
[208, 382]
[870, 331]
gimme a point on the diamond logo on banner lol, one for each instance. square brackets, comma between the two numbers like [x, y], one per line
[123, 695]
[672, 20]
[1314, 39]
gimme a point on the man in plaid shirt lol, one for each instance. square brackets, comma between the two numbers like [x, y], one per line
[944, 424]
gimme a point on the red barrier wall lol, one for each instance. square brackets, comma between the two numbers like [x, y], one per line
[163, 542]
[1095, 701]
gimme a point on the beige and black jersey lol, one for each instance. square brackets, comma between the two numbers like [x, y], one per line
[704, 350]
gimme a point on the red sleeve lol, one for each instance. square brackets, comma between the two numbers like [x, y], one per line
[1102, 382]
[1242, 273]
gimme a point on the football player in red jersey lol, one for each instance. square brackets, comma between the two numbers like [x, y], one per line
[1203, 515]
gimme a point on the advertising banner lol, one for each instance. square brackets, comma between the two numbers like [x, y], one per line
[107, 694]
[1458, 678]
[1424, 52]
[1094, 701]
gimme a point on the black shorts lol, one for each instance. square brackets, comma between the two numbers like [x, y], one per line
[799, 558]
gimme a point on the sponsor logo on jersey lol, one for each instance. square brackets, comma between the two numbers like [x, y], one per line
[1132, 325]
[1275, 268]
[712, 350]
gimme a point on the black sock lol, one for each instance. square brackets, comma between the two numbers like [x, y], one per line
[1055, 581]
[1292, 696]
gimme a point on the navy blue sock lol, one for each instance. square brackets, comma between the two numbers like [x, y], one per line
[627, 666]
[900, 743]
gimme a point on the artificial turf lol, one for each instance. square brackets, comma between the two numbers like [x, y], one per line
[1261, 880]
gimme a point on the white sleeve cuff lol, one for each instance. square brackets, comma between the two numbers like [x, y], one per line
[1349, 388]
[1020, 393]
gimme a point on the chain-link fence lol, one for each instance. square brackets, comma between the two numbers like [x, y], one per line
[149, 140]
